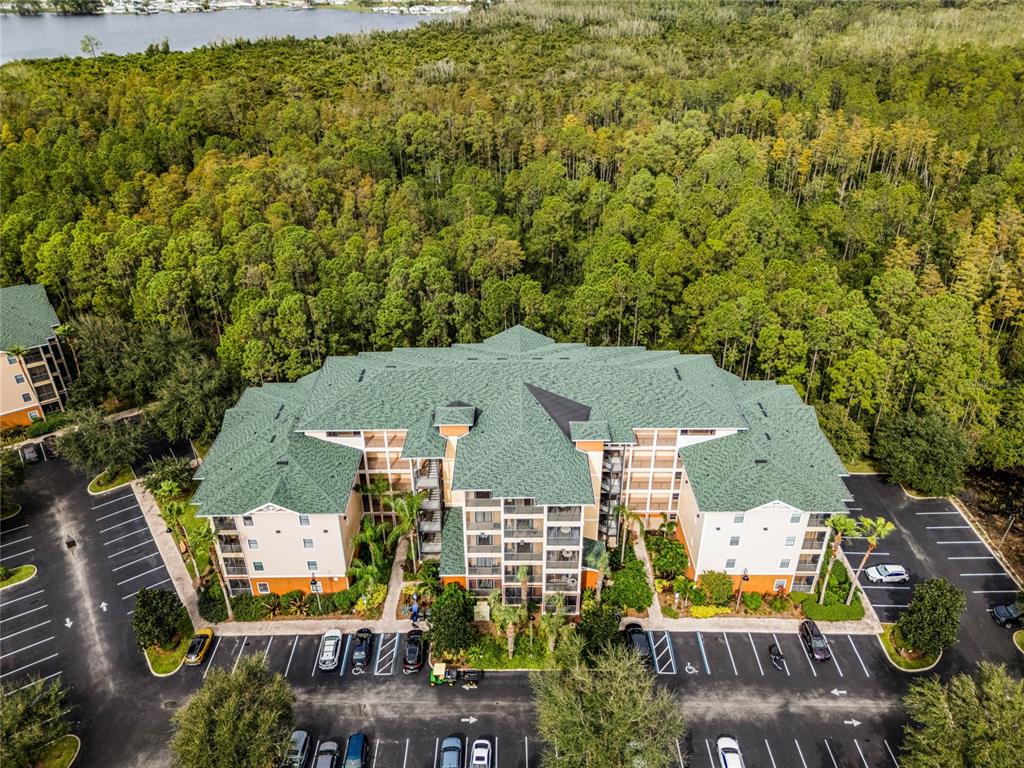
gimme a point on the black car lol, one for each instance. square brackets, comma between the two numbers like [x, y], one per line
[636, 636]
[363, 648]
[814, 641]
[1010, 615]
[415, 652]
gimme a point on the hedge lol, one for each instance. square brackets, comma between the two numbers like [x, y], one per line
[852, 612]
[707, 611]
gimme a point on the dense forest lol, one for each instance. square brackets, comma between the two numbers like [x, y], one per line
[828, 194]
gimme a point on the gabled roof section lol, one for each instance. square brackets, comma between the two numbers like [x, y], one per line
[517, 340]
[258, 458]
[782, 455]
[455, 414]
[589, 430]
[26, 317]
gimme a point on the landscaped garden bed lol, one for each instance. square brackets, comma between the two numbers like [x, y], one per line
[107, 481]
[59, 753]
[902, 658]
[11, 576]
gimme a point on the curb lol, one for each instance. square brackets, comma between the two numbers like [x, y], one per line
[898, 668]
[12, 515]
[162, 674]
[1013, 637]
[78, 749]
[91, 492]
[35, 571]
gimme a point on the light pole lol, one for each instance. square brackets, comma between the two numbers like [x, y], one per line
[313, 584]
[1013, 519]
[739, 592]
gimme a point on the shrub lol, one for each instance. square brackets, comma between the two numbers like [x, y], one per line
[291, 602]
[51, 424]
[158, 618]
[852, 612]
[800, 597]
[371, 600]
[630, 588]
[707, 611]
[753, 601]
[168, 478]
[670, 612]
[717, 585]
[5, 573]
[248, 608]
[211, 603]
[779, 602]
[345, 600]
[932, 620]
[925, 452]
[450, 629]
[312, 606]
[670, 559]
[598, 626]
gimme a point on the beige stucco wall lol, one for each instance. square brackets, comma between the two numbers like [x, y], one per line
[11, 392]
[280, 547]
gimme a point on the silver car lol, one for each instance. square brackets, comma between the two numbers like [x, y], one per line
[327, 755]
[888, 573]
[298, 751]
[451, 752]
[330, 650]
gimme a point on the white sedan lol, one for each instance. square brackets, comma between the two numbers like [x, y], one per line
[887, 574]
[729, 755]
[480, 755]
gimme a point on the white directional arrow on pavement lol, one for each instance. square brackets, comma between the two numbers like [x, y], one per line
[468, 687]
[103, 607]
[837, 692]
[469, 720]
[68, 623]
[854, 723]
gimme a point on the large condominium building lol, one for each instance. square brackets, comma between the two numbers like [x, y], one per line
[524, 449]
[35, 375]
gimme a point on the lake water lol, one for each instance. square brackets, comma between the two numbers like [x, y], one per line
[49, 35]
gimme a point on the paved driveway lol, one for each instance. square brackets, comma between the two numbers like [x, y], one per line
[933, 540]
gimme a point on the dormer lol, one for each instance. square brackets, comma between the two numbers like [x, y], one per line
[454, 419]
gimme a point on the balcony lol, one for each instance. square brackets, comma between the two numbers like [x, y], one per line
[229, 547]
[613, 464]
[529, 556]
[430, 521]
[814, 540]
[224, 524]
[433, 502]
[808, 563]
[562, 584]
[611, 485]
[235, 570]
[818, 520]
[564, 540]
[483, 549]
[39, 375]
[427, 480]
[522, 509]
[483, 525]
[482, 503]
[523, 532]
[564, 514]
[484, 570]
[430, 544]
[562, 563]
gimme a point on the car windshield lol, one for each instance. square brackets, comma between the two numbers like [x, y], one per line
[195, 645]
[818, 642]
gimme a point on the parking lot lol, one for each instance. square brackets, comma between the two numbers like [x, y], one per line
[933, 540]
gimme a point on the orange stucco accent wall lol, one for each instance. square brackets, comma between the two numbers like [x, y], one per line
[19, 418]
[460, 580]
[589, 579]
[456, 430]
[761, 582]
[689, 557]
[590, 445]
[281, 585]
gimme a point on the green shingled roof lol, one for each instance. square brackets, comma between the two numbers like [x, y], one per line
[454, 415]
[515, 447]
[589, 430]
[26, 317]
[453, 544]
[781, 456]
[258, 458]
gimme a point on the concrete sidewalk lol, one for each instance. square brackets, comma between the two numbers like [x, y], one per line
[127, 414]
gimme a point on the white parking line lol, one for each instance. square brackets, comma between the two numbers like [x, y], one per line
[770, 755]
[140, 575]
[862, 665]
[807, 656]
[729, 648]
[138, 560]
[994, 573]
[23, 597]
[127, 535]
[18, 528]
[40, 680]
[833, 655]
[970, 541]
[16, 541]
[438, 740]
[344, 658]
[9, 635]
[972, 557]
[120, 511]
[861, 554]
[316, 659]
[126, 522]
[707, 667]
[266, 651]
[26, 613]
[679, 753]
[889, 750]
[129, 549]
[758, 660]
[376, 746]
[947, 527]
[922, 514]
[209, 662]
[881, 586]
[994, 591]
[111, 501]
[290, 655]
[151, 586]
[785, 666]
[18, 554]
[25, 648]
[239, 656]
[30, 664]
[857, 745]
[710, 756]
[405, 759]
[882, 605]
[800, 752]
[834, 763]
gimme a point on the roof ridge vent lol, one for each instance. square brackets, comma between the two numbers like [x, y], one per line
[282, 462]
[361, 374]
[760, 461]
[273, 437]
[767, 436]
[762, 409]
[279, 409]
[678, 374]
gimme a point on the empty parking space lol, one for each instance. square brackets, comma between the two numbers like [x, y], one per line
[28, 635]
[387, 654]
[16, 544]
[775, 747]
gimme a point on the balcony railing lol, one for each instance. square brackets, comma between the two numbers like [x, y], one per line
[229, 547]
[818, 520]
[483, 549]
[535, 557]
[484, 570]
[524, 533]
[426, 480]
[480, 503]
[613, 464]
[571, 540]
[562, 563]
[808, 564]
[234, 570]
[561, 585]
[430, 547]
[564, 515]
[224, 524]
[430, 522]
[813, 541]
[522, 509]
[433, 502]
[483, 525]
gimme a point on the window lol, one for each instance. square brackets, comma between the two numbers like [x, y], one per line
[12, 360]
[263, 587]
[790, 541]
[247, 521]
[304, 520]
[307, 543]
[19, 379]
[734, 541]
[26, 396]
[784, 563]
[779, 584]
[738, 518]
[257, 565]
[795, 517]
[253, 543]
[33, 415]
[730, 563]
[311, 565]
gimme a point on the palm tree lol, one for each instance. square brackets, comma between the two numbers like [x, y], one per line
[523, 576]
[65, 333]
[406, 507]
[554, 620]
[874, 531]
[602, 572]
[626, 518]
[174, 514]
[203, 540]
[841, 525]
[374, 535]
[508, 618]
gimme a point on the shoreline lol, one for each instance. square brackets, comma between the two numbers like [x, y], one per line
[214, 6]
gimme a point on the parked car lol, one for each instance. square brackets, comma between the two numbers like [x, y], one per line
[357, 751]
[30, 453]
[889, 573]
[327, 755]
[330, 650]
[1010, 615]
[814, 641]
[298, 751]
[729, 755]
[480, 754]
[451, 753]
[637, 638]
[198, 646]
[415, 652]
[363, 648]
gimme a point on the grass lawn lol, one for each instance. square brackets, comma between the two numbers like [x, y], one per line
[1018, 638]
[59, 753]
[901, 662]
[11, 511]
[124, 475]
[863, 465]
[166, 661]
[21, 573]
